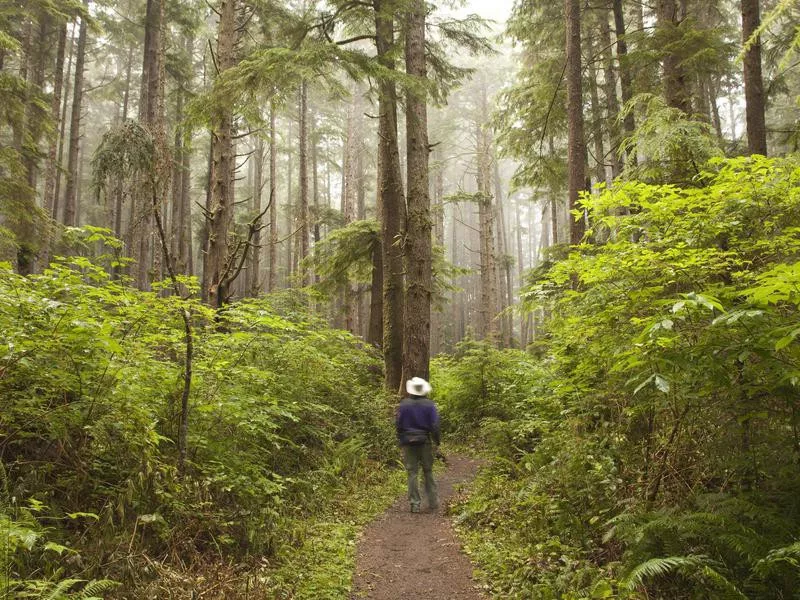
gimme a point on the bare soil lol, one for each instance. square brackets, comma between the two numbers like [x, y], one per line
[407, 555]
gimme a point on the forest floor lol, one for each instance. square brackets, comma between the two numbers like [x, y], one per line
[406, 555]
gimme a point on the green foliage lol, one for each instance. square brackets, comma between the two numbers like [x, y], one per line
[664, 461]
[90, 381]
[675, 147]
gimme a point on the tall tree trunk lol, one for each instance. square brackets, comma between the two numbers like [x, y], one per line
[302, 212]
[523, 333]
[52, 151]
[676, 85]
[62, 134]
[119, 188]
[625, 79]
[610, 92]
[392, 201]
[289, 210]
[753, 82]
[219, 262]
[488, 276]
[576, 147]
[176, 225]
[419, 284]
[151, 116]
[255, 255]
[597, 121]
[71, 189]
[506, 293]
[348, 205]
[273, 207]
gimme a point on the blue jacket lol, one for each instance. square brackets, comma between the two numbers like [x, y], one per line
[416, 415]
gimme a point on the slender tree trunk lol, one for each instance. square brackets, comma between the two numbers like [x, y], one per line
[610, 92]
[753, 81]
[219, 262]
[55, 112]
[523, 333]
[505, 255]
[488, 278]
[392, 202]
[576, 147]
[302, 213]
[597, 121]
[676, 90]
[62, 134]
[419, 284]
[70, 192]
[176, 224]
[273, 207]
[625, 79]
[120, 187]
[289, 210]
[255, 255]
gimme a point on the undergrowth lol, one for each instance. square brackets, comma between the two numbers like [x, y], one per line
[647, 446]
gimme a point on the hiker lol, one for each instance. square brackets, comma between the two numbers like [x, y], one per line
[417, 426]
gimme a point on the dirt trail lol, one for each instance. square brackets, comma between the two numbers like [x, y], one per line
[404, 555]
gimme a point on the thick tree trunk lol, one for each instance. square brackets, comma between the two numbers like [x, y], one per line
[419, 284]
[392, 201]
[71, 188]
[576, 146]
[753, 81]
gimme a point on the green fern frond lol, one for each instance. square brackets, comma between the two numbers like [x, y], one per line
[785, 556]
[95, 588]
[656, 567]
[59, 592]
[726, 589]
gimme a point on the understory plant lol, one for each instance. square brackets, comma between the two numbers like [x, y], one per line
[667, 463]
[90, 401]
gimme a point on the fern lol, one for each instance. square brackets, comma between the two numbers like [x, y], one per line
[656, 567]
[788, 555]
[59, 592]
[96, 587]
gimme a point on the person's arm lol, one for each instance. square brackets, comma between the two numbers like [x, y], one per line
[435, 426]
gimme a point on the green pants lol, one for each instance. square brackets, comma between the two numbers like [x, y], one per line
[413, 457]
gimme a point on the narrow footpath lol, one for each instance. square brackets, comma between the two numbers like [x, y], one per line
[404, 555]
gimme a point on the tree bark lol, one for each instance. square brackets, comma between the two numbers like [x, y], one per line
[219, 262]
[273, 207]
[488, 277]
[70, 191]
[610, 92]
[576, 146]
[392, 202]
[753, 81]
[676, 85]
[419, 284]
[625, 79]
[302, 209]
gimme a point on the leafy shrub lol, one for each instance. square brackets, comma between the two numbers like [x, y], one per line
[90, 383]
[668, 381]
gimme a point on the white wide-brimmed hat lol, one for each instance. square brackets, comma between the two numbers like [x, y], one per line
[418, 386]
